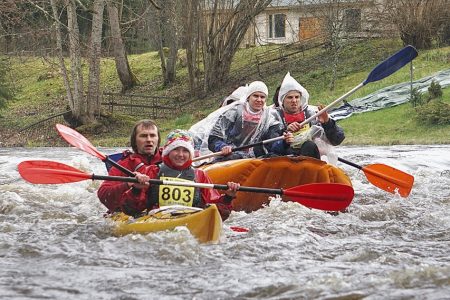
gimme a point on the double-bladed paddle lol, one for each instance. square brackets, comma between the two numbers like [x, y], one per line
[382, 176]
[382, 70]
[324, 196]
[77, 140]
[385, 177]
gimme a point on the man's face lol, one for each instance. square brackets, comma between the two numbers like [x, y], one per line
[146, 140]
[257, 100]
[291, 102]
[179, 156]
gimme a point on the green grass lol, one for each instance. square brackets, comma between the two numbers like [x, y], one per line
[395, 125]
[42, 92]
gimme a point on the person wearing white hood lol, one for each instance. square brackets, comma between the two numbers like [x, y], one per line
[291, 109]
[245, 123]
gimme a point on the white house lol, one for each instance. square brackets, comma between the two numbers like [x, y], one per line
[289, 21]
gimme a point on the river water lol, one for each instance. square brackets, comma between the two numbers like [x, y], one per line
[55, 244]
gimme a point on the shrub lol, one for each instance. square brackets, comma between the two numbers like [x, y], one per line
[416, 97]
[434, 90]
[435, 112]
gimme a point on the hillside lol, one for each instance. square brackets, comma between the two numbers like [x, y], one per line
[41, 93]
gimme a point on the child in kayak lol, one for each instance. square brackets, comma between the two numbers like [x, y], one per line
[176, 165]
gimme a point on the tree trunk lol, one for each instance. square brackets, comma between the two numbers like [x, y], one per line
[94, 92]
[191, 20]
[167, 21]
[162, 56]
[126, 76]
[172, 40]
[59, 47]
[78, 104]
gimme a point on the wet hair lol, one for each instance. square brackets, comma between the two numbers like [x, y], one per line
[146, 123]
[275, 97]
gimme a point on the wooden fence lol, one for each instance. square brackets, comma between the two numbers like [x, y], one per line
[42, 132]
[154, 107]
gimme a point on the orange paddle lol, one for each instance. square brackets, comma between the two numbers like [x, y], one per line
[386, 177]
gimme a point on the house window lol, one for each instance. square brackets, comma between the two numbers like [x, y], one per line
[352, 20]
[277, 26]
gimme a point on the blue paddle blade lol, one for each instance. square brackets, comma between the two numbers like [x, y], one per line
[392, 64]
[115, 157]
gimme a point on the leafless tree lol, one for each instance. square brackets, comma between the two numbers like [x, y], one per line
[168, 16]
[225, 24]
[214, 30]
[126, 76]
[192, 42]
[418, 21]
[94, 94]
[83, 107]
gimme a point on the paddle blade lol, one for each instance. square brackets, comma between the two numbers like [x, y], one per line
[239, 229]
[49, 172]
[79, 141]
[324, 196]
[389, 179]
[392, 64]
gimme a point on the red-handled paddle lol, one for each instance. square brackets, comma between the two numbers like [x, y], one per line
[324, 196]
[79, 141]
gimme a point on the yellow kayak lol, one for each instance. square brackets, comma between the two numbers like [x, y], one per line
[204, 224]
[281, 172]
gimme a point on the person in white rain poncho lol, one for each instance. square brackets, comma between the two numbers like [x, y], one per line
[245, 123]
[291, 109]
[200, 131]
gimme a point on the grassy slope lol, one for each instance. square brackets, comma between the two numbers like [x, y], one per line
[40, 98]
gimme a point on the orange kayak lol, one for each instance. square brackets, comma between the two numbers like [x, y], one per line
[275, 172]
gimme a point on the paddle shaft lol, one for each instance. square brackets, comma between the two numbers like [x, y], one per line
[191, 184]
[350, 163]
[118, 166]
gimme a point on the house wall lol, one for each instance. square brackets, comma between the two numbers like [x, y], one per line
[262, 27]
[304, 22]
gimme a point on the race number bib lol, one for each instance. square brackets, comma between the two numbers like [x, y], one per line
[304, 129]
[174, 194]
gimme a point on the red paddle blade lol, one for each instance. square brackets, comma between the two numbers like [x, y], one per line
[49, 172]
[324, 196]
[389, 179]
[239, 229]
[79, 141]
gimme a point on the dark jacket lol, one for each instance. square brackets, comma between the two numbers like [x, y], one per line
[229, 130]
[334, 133]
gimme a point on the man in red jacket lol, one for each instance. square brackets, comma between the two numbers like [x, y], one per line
[145, 142]
[176, 166]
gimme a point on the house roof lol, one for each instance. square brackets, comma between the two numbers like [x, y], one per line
[278, 3]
